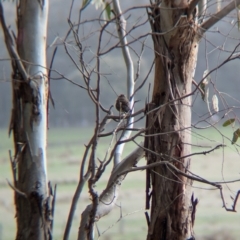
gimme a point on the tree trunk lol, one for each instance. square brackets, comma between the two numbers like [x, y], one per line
[169, 126]
[29, 122]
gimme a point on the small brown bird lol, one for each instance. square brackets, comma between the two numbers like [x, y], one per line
[122, 104]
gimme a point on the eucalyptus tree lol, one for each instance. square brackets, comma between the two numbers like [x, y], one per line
[176, 29]
[29, 119]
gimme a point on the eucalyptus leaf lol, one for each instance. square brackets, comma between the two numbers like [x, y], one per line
[85, 2]
[215, 103]
[206, 95]
[228, 122]
[108, 10]
[236, 135]
[205, 89]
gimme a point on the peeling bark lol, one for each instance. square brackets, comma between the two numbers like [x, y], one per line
[176, 55]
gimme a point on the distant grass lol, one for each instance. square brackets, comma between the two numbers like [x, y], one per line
[213, 135]
[65, 151]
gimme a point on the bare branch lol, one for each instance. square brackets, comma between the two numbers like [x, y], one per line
[11, 48]
[196, 85]
[145, 79]
[82, 180]
[109, 196]
[121, 27]
[49, 77]
[233, 209]
[192, 6]
[204, 152]
[195, 178]
[218, 16]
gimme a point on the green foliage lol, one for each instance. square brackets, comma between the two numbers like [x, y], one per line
[85, 3]
[108, 10]
[228, 122]
[236, 135]
[202, 87]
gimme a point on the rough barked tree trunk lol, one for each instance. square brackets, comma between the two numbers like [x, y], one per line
[176, 46]
[29, 120]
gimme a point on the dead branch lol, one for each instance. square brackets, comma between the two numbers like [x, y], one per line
[109, 196]
[203, 152]
[233, 209]
[218, 185]
[218, 16]
[17, 190]
[11, 48]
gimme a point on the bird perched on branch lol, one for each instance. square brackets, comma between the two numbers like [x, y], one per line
[122, 104]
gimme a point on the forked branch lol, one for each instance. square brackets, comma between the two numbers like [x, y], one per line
[109, 196]
[194, 177]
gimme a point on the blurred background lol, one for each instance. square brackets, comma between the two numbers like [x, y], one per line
[71, 122]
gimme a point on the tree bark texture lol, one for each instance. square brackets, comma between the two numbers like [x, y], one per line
[169, 123]
[29, 122]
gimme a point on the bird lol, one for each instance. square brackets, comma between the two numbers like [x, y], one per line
[122, 104]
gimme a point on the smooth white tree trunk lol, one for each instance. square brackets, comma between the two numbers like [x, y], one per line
[29, 120]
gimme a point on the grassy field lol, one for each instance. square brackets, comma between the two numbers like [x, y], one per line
[65, 149]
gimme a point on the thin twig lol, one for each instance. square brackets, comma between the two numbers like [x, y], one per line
[198, 179]
[49, 77]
